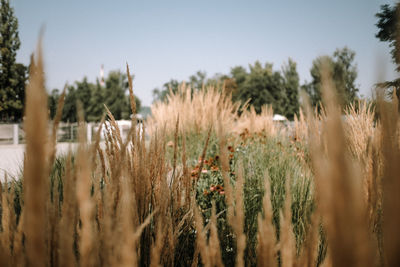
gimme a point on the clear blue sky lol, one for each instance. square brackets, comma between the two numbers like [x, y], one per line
[173, 39]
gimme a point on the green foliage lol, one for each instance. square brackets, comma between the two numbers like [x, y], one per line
[277, 159]
[12, 75]
[70, 111]
[260, 86]
[161, 94]
[292, 85]
[96, 109]
[93, 97]
[344, 73]
[388, 32]
[53, 101]
[388, 27]
[115, 90]
[83, 94]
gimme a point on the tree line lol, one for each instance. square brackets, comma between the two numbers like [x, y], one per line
[92, 96]
[13, 75]
[261, 84]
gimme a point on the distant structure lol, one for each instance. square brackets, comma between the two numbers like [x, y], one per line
[102, 75]
[279, 117]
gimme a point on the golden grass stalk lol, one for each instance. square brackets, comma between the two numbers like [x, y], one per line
[359, 127]
[85, 202]
[213, 243]
[115, 128]
[308, 253]
[197, 110]
[69, 218]
[300, 126]
[36, 166]
[203, 154]
[391, 180]
[5, 237]
[266, 237]
[56, 122]
[237, 223]
[131, 95]
[201, 239]
[338, 189]
[257, 123]
[287, 243]
[156, 249]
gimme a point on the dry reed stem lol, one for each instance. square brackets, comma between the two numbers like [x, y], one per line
[96, 143]
[338, 190]
[5, 236]
[213, 243]
[287, 242]
[185, 175]
[18, 250]
[36, 165]
[114, 128]
[391, 180]
[237, 223]
[85, 202]
[308, 254]
[68, 220]
[300, 127]
[223, 152]
[266, 235]
[56, 122]
[256, 123]
[156, 248]
[203, 154]
[198, 109]
[127, 249]
[131, 95]
[201, 239]
[175, 153]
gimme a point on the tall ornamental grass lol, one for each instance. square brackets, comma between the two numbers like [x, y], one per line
[207, 188]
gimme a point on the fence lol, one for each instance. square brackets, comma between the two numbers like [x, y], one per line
[67, 132]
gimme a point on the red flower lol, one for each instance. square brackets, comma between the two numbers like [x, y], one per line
[214, 168]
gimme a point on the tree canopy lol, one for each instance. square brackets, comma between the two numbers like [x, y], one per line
[259, 85]
[93, 97]
[12, 74]
[388, 26]
[343, 71]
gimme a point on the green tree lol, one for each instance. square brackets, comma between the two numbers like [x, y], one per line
[262, 85]
[69, 110]
[96, 108]
[239, 75]
[314, 88]
[83, 94]
[343, 71]
[53, 102]
[345, 75]
[388, 25]
[115, 95]
[12, 75]
[198, 80]
[291, 83]
[161, 94]
[94, 96]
